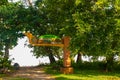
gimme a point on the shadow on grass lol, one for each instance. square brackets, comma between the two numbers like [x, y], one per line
[63, 78]
[19, 79]
[2, 75]
[96, 73]
[85, 75]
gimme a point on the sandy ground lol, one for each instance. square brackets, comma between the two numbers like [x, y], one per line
[33, 73]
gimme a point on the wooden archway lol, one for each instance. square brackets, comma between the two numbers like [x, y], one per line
[64, 43]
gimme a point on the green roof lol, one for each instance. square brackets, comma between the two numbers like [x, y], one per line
[49, 37]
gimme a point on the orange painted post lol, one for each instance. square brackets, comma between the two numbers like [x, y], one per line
[66, 69]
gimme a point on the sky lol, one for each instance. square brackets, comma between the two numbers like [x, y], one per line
[23, 56]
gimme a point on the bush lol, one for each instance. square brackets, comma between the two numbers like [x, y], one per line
[89, 65]
[5, 64]
[117, 66]
[57, 65]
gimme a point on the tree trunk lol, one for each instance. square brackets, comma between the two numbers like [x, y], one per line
[50, 55]
[51, 58]
[79, 58]
[30, 2]
[6, 51]
[6, 57]
[58, 56]
[109, 64]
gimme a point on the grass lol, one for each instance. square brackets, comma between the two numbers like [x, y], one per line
[4, 76]
[85, 75]
[17, 78]
[77, 75]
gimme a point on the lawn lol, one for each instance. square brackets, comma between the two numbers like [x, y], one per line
[6, 77]
[85, 75]
[77, 75]
[17, 78]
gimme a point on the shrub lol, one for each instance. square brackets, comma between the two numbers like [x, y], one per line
[97, 65]
[57, 65]
[5, 64]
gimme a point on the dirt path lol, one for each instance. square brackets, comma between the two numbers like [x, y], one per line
[33, 73]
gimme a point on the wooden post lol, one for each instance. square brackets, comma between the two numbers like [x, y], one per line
[66, 69]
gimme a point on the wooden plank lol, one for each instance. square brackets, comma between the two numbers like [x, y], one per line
[45, 44]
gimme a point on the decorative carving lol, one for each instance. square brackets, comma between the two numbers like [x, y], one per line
[48, 39]
[32, 39]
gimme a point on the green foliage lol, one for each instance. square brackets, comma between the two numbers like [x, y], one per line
[54, 18]
[3, 2]
[9, 30]
[42, 51]
[5, 64]
[117, 65]
[98, 65]
[91, 24]
[57, 65]
[95, 27]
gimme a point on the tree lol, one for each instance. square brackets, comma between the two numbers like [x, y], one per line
[44, 25]
[97, 28]
[10, 31]
[54, 18]
[91, 24]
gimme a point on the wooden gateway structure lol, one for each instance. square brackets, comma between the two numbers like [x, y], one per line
[52, 40]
